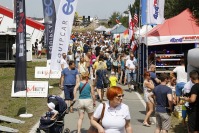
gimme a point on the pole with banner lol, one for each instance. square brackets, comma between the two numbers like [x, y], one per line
[49, 20]
[63, 28]
[21, 67]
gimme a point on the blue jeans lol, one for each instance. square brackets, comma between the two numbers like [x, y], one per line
[179, 87]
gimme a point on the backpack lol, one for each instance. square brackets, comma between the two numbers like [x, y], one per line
[109, 64]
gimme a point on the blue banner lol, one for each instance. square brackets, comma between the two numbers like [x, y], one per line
[144, 12]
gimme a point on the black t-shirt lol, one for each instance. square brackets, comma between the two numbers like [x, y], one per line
[97, 49]
[195, 90]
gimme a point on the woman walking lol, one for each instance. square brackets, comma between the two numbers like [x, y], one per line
[148, 87]
[85, 102]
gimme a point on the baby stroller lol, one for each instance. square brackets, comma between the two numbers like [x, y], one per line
[57, 125]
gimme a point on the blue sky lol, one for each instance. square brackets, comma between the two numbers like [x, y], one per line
[93, 8]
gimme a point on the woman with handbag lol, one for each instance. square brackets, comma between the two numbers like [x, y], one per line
[101, 75]
[116, 116]
[85, 102]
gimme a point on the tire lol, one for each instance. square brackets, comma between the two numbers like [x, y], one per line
[66, 130]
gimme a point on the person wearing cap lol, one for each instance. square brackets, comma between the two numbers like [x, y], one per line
[51, 109]
[86, 101]
[113, 79]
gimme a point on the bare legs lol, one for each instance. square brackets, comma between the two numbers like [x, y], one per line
[80, 120]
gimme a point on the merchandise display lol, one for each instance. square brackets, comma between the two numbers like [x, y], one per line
[165, 63]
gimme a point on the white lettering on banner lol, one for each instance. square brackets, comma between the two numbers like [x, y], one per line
[34, 89]
[63, 28]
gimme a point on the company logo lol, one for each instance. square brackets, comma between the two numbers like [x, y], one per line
[48, 7]
[68, 7]
[156, 7]
[176, 40]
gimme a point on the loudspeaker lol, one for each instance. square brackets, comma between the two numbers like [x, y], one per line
[88, 18]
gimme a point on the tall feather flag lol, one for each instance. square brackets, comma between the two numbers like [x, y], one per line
[155, 11]
[63, 28]
[20, 67]
[49, 19]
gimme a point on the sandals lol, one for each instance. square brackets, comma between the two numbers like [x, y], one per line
[146, 124]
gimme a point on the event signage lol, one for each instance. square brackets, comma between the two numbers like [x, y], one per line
[20, 66]
[184, 39]
[131, 26]
[63, 30]
[155, 11]
[45, 72]
[49, 20]
[34, 89]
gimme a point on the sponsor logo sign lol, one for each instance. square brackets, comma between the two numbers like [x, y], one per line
[34, 89]
[45, 72]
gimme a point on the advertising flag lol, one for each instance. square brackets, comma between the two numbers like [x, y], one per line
[20, 66]
[135, 17]
[143, 12]
[131, 26]
[155, 11]
[49, 20]
[63, 28]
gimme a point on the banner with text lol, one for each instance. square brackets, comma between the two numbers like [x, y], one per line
[155, 11]
[63, 30]
[20, 66]
[43, 72]
[34, 89]
[49, 20]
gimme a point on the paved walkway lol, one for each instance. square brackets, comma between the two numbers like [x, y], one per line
[137, 110]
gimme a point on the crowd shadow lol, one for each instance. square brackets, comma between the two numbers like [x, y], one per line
[82, 131]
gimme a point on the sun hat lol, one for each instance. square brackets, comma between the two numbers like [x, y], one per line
[51, 105]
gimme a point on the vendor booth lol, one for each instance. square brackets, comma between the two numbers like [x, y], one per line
[166, 44]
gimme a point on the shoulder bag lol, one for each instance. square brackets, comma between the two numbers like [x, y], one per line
[80, 91]
[92, 129]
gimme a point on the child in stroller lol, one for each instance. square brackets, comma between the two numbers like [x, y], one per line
[53, 122]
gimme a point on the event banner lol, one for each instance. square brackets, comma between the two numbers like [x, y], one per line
[155, 11]
[143, 12]
[49, 20]
[131, 26]
[34, 89]
[20, 66]
[63, 28]
[45, 72]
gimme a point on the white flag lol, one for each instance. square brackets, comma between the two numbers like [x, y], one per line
[155, 11]
[131, 26]
[63, 28]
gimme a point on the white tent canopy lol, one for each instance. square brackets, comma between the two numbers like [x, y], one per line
[143, 31]
[101, 29]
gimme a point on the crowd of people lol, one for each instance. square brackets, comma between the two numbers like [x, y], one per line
[98, 63]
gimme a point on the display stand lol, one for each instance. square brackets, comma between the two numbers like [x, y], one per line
[165, 63]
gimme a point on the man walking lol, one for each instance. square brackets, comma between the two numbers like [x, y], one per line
[163, 105]
[69, 79]
[130, 73]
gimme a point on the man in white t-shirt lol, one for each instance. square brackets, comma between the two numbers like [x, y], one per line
[181, 79]
[64, 61]
[130, 73]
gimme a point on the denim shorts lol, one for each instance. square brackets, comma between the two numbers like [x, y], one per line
[179, 87]
[68, 92]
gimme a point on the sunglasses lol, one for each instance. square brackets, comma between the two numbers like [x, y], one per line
[120, 96]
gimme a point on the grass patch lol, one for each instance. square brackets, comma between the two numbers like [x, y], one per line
[13, 107]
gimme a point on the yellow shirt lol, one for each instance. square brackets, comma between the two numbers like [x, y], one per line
[95, 66]
[113, 81]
